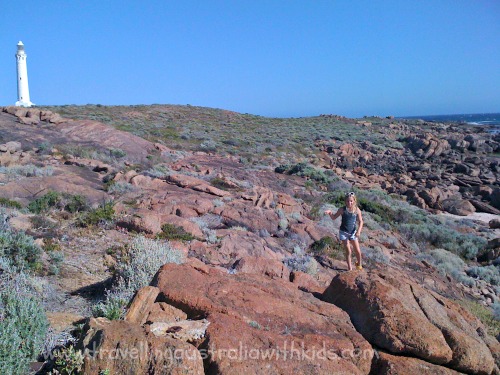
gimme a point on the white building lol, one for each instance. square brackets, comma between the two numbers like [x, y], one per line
[23, 92]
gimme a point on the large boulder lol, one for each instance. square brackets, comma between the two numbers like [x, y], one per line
[263, 325]
[401, 317]
[460, 207]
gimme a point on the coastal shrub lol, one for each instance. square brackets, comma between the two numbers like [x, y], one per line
[302, 263]
[45, 202]
[10, 203]
[120, 188]
[158, 171]
[328, 246]
[174, 232]
[448, 263]
[103, 214]
[28, 170]
[56, 260]
[55, 339]
[489, 274]
[63, 201]
[440, 236]
[220, 183]
[20, 249]
[375, 255]
[210, 234]
[68, 361]
[113, 306]
[496, 310]
[143, 260]
[117, 153]
[76, 203]
[146, 256]
[23, 323]
[303, 170]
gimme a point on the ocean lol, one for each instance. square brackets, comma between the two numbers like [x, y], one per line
[491, 120]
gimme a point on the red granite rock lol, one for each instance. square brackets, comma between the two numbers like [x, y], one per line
[252, 316]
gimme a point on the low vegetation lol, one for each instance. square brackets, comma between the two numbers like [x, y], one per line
[23, 323]
[174, 232]
[135, 270]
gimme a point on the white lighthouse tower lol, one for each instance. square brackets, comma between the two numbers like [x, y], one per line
[23, 92]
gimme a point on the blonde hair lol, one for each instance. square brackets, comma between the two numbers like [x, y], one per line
[353, 195]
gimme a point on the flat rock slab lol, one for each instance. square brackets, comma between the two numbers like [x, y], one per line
[262, 325]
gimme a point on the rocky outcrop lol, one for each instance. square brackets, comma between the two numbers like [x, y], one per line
[429, 168]
[33, 116]
[401, 317]
[264, 320]
[427, 145]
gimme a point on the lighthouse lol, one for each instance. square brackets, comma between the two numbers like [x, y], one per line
[23, 92]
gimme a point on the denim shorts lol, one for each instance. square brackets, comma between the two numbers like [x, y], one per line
[343, 236]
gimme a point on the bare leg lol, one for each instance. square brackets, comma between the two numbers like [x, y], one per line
[347, 249]
[357, 251]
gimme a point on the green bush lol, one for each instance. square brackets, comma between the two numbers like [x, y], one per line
[76, 203]
[220, 183]
[117, 153]
[10, 203]
[328, 246]
[68, 361]
[174, 232]
[103, 213]
[23, 323]
[113, 307]
[45, 202]
[303, 170]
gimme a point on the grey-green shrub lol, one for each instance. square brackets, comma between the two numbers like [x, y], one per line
[23, 323]
[113, 307]
[440, 236]
[375, 254]
[448, 263]
[121, 188]
[145, 257]
[28, 170]
[302, 263]
[19, 248]
[489, 274]
[496, 310]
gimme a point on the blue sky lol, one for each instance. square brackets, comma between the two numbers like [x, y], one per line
[272, 58]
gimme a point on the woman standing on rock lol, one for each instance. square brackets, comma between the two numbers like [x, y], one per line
[350, 228]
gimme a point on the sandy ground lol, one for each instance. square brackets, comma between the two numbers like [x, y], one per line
[476, 216]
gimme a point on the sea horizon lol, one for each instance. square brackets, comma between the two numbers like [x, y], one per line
[489, 120]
